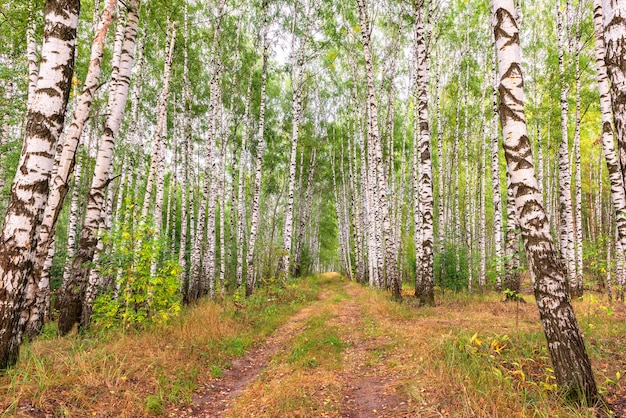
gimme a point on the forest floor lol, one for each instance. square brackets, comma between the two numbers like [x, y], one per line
[325, 346]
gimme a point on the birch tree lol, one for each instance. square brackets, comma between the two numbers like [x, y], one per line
[60, 180]
[424, 289]
[618, 193]
[296, 109]
[565, 344]
[614, 13]
[258, 167]
[71, 301]
[386, 260]
[565, 194]
[29, 191]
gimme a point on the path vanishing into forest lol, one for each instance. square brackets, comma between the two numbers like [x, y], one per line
[325, 359]
[352, 353]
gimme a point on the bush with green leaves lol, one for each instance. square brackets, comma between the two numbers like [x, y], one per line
[451, 268]
[136, 298]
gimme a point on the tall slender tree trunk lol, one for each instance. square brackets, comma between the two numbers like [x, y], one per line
[241, 198]
[304, 215]
[157, 166]
[482, 235]
[29, 192]
[565, 194]
[614, 12]
[578, 179]
[616, 179]
[256, 193]
[71, 301]
[60, 180]
[296, 106]
[186, 203]
[425, 289]
[388, 264]
[495, 184]
[565, 344]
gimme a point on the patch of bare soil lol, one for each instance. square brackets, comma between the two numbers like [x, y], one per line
[617, 403]
[369, 389]
[215, 397]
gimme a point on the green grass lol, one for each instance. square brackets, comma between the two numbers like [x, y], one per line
[319, 344]
[134, 372]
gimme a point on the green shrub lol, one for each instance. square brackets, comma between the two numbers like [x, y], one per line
[137, 297]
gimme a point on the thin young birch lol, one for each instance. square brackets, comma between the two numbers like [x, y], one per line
[241, 198]
[71, 301]
[258, 167]
[185, 151]
[296, 110]
[495, 182]
[565, 193]
[387, 263]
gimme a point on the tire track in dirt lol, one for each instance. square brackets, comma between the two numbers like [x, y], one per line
[214, 398]
[368, 388]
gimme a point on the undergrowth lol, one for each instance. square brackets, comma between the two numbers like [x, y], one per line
[135, 372]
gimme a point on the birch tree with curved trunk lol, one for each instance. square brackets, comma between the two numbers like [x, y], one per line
[565, 343]
[71, 301]
[618, 192]
[67, 161]
[29, 191]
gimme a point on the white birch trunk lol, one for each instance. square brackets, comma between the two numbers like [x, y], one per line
[424, 290]
[495, 185]
[72, 300]
[618, 192]
[387, 265]
[29, 192]
[296, 105]
[565, 194]
[614, 12]
[65, 167]
[241, 199]
[157, 168]
[186, 207]
[565, 344]
[256, 192]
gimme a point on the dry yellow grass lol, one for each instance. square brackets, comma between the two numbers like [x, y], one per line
[470, 356]
[96, 375]
[134, 373]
